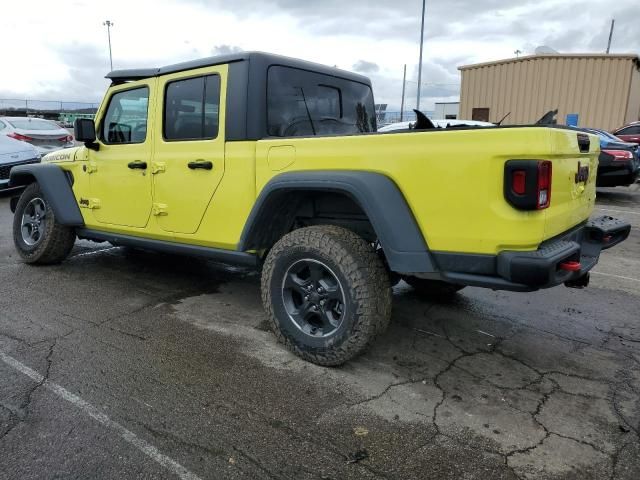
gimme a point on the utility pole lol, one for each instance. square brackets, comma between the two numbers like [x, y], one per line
[404, 84]
[424, 2]
[613, 22]
[109, 24]
[518, 52]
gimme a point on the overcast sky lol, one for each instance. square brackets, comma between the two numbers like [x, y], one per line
[58, 50]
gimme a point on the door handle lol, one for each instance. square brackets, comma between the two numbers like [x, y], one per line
[140, 165]
[203, 164]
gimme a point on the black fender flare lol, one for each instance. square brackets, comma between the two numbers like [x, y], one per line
[379, 197]
[56, 188]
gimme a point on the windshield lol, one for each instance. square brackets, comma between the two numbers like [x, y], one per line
[32, 124]
[604, 135]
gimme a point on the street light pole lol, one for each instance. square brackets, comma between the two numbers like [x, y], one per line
[404, 83]
[424, 2]
[109, 24]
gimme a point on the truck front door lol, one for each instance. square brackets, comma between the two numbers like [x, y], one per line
[189, 147]
[120, 185]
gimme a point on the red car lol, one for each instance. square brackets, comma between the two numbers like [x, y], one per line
[629, 133]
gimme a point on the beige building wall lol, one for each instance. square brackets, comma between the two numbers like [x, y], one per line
[604, 90]
[633, 110]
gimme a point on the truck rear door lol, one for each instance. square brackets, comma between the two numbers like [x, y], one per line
[189, 153]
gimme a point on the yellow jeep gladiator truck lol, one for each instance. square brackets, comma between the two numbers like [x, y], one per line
[275, 163]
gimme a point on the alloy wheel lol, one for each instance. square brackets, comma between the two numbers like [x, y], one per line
[313, 297]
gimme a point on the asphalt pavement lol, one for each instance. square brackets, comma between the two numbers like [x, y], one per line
[126, 364]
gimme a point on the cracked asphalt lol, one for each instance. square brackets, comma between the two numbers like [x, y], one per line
[124, 364]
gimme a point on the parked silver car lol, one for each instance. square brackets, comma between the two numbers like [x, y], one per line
[12, 153]
[45, 135]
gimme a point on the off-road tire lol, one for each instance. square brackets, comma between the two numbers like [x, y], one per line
[57, 240]
[364, 281]
[434, 289]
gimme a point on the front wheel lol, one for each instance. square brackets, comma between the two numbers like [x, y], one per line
[37, 236]
[326, 294]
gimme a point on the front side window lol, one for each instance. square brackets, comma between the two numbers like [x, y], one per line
[191, 109]
[302, 103]
[126, 117]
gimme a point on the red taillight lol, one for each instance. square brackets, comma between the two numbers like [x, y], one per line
[620, 155]
[17, 136]
[544, 184]
[519, 181]
[66, 139]
[527, 183]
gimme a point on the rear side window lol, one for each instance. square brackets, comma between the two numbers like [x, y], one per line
[302, 103]
[191, 109]
[126, 117]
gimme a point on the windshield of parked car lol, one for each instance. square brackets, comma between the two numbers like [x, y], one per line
[302, 103]
[32, 124]
[603, 135]
[609, 137]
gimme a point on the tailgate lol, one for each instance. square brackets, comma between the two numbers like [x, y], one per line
[573, 187]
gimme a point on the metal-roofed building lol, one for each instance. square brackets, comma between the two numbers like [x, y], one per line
[603, 91]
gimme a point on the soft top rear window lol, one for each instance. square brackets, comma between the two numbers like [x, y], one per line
[304, 103]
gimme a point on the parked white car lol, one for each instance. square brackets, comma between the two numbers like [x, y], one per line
[392, 127]
[45, 135]
[12, 153]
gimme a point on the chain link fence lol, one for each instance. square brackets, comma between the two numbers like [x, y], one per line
[61, 111]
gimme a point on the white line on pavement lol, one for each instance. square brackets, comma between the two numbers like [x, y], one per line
[97, 415]
[93, 252]
[616, 276]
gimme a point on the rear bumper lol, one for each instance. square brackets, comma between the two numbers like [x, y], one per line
[617, 176]
[541, 268]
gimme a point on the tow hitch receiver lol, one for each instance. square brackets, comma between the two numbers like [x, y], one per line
[580, 282]
[570, 266]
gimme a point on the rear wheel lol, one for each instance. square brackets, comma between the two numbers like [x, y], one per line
[326, 294]
[37, 236]
[432, 288]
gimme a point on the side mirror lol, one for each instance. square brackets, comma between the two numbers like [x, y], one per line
[85, 131]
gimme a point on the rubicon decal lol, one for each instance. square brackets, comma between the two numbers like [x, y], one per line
[58, 157]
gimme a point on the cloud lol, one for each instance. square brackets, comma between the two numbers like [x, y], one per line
[363, 66]
[225, 49]
[332, 32]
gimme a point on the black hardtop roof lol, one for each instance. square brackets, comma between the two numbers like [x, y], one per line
[120, 76]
